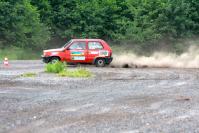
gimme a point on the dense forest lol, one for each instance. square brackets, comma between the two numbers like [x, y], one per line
[32, 23]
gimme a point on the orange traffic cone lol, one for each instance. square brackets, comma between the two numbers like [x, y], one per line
[5, 62]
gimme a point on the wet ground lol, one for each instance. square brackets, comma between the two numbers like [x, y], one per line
[117, 100]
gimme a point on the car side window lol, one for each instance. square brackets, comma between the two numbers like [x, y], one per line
[78, 46]
[94, 45]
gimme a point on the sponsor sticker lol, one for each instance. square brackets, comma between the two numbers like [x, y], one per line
[94, 52]
[77, 53]
[78, 58]
[103, 53]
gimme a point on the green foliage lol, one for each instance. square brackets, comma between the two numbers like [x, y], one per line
[31, 23]
[55, 67]
[137, 20]
[20, 25]
[154, 19]
[80, 72]
[28, 75]
[61, 69]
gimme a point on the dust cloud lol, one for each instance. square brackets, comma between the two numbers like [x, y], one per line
[189, 59]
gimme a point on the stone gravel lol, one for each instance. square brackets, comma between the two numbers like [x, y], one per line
[114, 100]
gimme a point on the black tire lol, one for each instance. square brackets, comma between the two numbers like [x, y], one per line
[54, 60]
[100, 62]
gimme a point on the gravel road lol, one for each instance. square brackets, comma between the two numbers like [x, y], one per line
[116, 100]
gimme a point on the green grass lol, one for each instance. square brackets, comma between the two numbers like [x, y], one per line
[28, 75]
[80, 72]
[55, 67]
[61, 69]
[15, 53]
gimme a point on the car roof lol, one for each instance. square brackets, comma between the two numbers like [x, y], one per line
[87, 40]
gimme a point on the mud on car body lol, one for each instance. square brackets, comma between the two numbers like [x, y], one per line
[91, 51]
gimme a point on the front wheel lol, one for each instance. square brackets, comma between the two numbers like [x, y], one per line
[100, 62]
[54, 60]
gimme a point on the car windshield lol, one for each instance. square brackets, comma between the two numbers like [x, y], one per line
[67, 44]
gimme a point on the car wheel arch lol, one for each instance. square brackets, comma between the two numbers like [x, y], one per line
[54, 57]
[96, 58]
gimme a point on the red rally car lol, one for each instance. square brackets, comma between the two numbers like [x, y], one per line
[92, 51]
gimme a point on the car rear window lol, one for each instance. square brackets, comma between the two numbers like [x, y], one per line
[95, 45]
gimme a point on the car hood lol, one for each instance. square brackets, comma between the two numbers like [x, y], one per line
[54, 50]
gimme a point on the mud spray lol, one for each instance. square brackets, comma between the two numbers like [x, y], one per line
[189, 59]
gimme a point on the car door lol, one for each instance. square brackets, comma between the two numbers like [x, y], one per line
[94, 48]
[77, 52]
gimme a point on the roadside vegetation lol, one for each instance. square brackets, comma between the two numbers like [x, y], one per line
[62, 71]
[16, 53]
[29, 74]
[36, 24]
[176, 46]
[55, 67]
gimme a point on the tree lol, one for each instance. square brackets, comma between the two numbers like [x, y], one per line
[20, 25]
[28, 23]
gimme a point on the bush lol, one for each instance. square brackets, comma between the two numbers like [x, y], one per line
[80, 72]
[55, 67]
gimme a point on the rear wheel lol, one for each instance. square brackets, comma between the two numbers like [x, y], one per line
[54, 60]
[100, 62]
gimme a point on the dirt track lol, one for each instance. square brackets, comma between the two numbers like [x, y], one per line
[114, 100]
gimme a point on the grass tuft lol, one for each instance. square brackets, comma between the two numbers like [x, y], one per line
[80, 72]
[55, 67]
[28, 75]
[61, 69]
